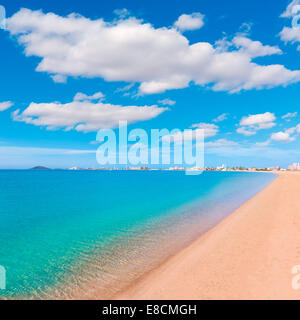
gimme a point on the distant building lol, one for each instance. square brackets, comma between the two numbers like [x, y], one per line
[276, 168]
[222, 167]
[176, 168]
[295, 166]
[195, 169]
[138, 168]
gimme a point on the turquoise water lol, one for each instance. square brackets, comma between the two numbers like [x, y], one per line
[61, 231]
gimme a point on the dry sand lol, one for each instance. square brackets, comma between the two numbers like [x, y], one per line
[249, 255]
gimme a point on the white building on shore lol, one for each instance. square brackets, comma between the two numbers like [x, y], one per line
[222, 167]
[295, 166]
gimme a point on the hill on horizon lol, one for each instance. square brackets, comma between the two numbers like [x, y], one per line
[39, 168]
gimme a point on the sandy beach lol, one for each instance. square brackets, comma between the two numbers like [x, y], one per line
[249, 255]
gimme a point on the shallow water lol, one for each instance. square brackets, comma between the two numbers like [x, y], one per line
[80, 233]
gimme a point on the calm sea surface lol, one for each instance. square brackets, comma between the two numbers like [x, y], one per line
[85, 233]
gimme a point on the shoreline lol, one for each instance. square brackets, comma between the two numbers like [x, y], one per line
[248, 255]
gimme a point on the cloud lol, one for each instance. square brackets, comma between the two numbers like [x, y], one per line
[245, 131]
[59, 78]
[254, 48]
[83, 114]
[5, 105]
[291, 34]
[286, 136]
[210, 129]
[167, 102]
[292, 130]
[221, 143]
[83, 97]
[246, 46]
[126, 88]
[263, 144]
[252, 123]
[262, 120]
[282, 137]
[192, 21]
[122, 13]
[131, 50]
[291, 9]
[290, 115]
[221, 117]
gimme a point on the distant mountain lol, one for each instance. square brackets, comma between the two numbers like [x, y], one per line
[40, 168]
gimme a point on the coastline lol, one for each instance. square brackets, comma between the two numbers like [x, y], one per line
[249, 255]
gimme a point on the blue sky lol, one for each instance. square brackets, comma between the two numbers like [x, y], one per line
[229, 67]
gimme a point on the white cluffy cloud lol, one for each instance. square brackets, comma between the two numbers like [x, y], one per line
[291, 9]
[122, 13]
[82, 114]
[209, 130]
[59, 78]
[221, 143]
[254, 48]
[251, 124]
[134, 51]
[126, 88]
[246, 46]
[263, 120]
[192, 21]
[5, 105]
[245, 131]
[295, 129]
[167, 102]
[263, 144]
[83, 97]
[282, 137]
[221, 117]
[290, 115]
[290, 34]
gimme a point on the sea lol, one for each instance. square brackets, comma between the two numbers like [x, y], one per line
[91, 234]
